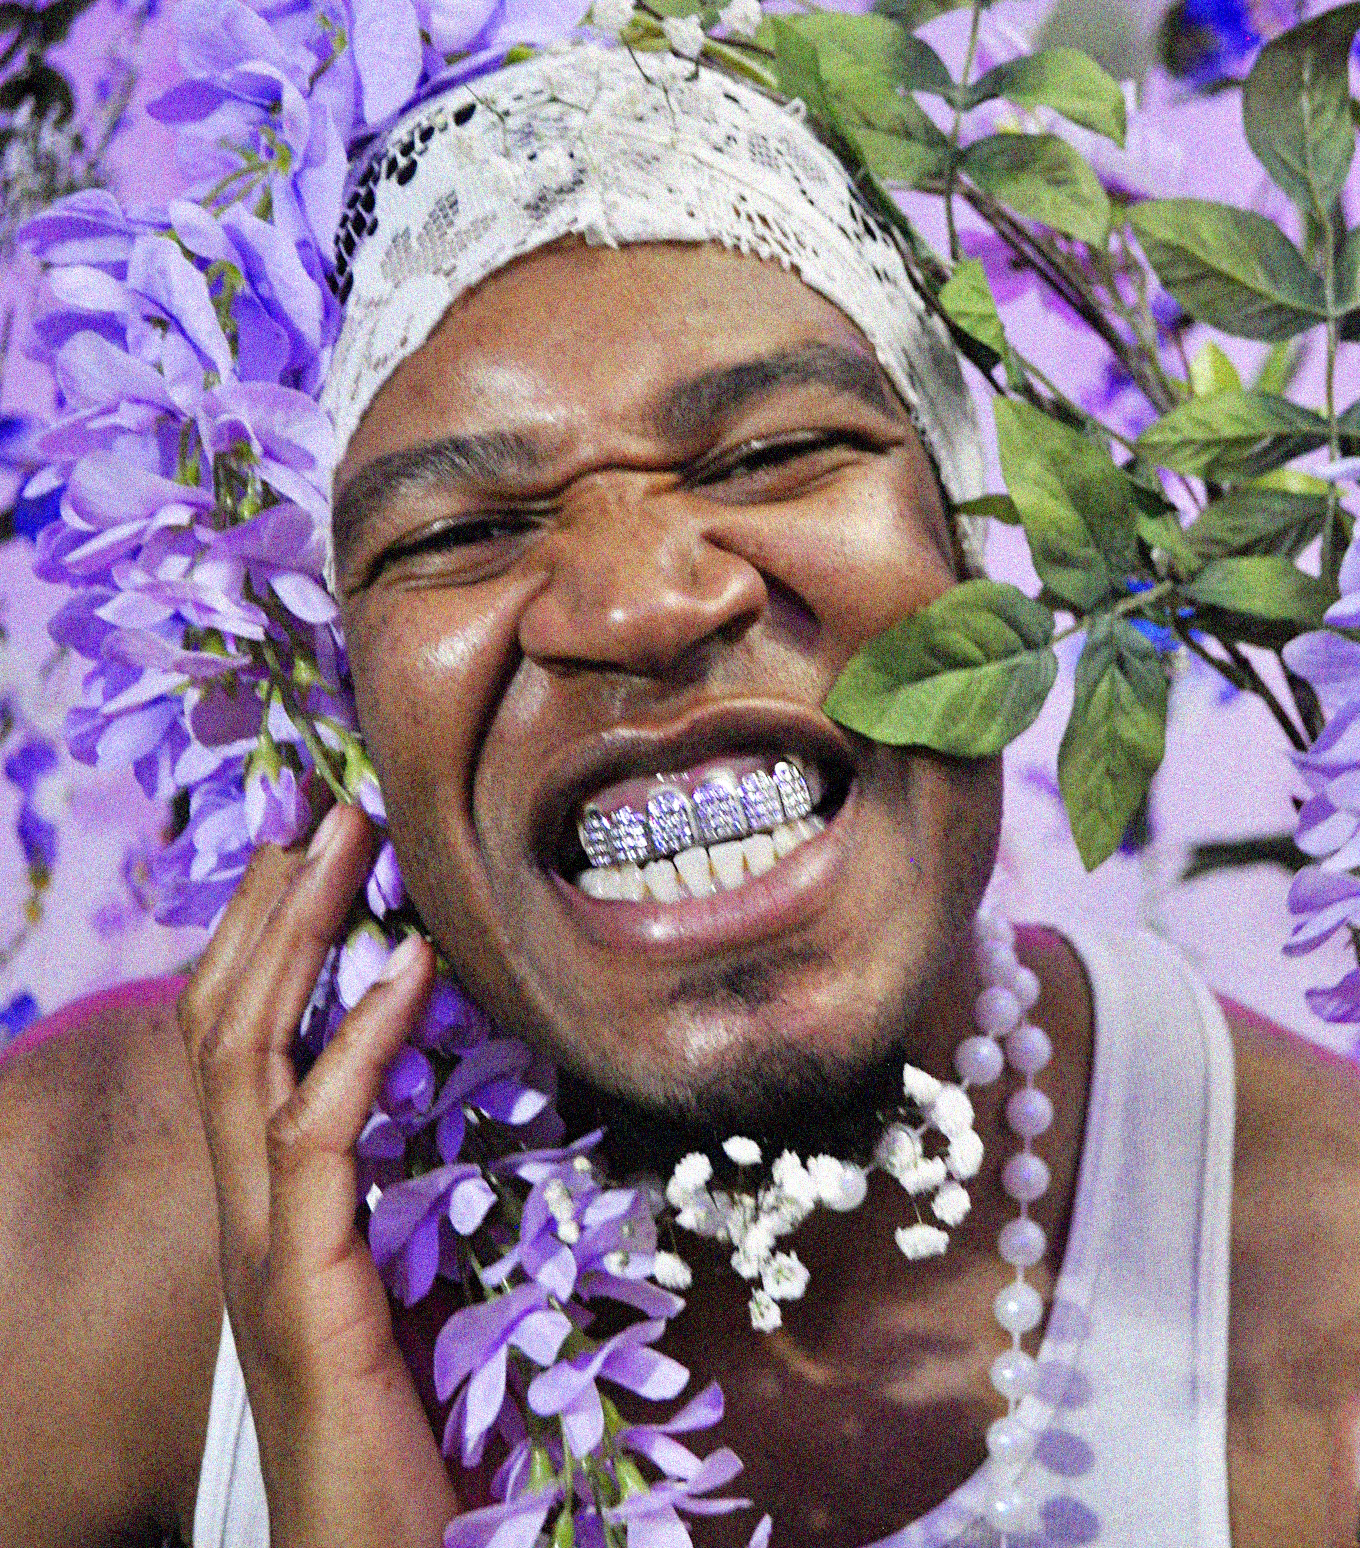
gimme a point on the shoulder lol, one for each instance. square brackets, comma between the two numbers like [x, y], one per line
[109, 1299]
[1294, 1329]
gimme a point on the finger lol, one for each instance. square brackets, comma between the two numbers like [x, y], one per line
[313, 1135]
[245, 1062]
[219, 969]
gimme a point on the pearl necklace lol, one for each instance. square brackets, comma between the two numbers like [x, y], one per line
[1012, 990]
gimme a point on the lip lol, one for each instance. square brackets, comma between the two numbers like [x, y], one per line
[783, 899]
[625, 752]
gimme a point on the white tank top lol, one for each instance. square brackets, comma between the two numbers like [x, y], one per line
[1130, 1416]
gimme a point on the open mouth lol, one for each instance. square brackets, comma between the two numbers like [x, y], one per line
[691, 832]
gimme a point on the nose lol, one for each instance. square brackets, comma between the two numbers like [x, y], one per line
[637, 579]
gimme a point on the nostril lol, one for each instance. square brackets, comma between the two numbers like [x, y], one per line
[790, 617]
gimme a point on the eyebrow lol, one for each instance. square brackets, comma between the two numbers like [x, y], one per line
[685, 414]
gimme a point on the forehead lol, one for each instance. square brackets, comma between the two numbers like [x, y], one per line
[573, 337]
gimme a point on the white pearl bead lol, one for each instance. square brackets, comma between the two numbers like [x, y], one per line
[1008, 1441]
[1014, 1373]
[1019, 1308]
[997, 1011]
[978, 1060]
[1008, 1510]
[996, 963]
[1025, 1177]
[1021, 1242]
[1028, 1049]
[1025, 987]
[992, 928]
[1029, 1112]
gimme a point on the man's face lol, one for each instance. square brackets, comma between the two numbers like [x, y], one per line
[617, 527]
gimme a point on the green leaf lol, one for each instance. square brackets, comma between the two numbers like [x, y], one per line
[1075, 504]
[1296, 108]
[1064, 79]
[1228, 267]
[1263, 599]
[998, 507]
[1221, 435]
[1348, 272]
[919, 68]
[1160, 530]
[912, 14]
[1115, 739]
[898, 160]
[1211, 371]
[966, 299]
[1279, 368]
[1258, 520]
[798, 70]
[1043, 178]
[964, 676]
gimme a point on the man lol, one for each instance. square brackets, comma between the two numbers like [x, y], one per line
[627, 512]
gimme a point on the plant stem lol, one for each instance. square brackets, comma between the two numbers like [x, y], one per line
[321, 755]
[952, 175]
[1329, 556]
[1248, 680]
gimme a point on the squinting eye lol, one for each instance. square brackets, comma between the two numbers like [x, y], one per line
[470, 544]
[768, 466]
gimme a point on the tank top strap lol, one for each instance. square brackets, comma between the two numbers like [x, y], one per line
[230, 1510]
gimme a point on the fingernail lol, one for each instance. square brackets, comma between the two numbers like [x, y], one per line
[400, 960]
[325, 834]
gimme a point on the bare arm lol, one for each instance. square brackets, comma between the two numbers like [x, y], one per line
[110, 1303]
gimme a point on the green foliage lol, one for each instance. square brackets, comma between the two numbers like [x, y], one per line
[1042, 177]
[1227, 434]
[966, 299]
[964, 676]
[1258, 519]
[1229, 267]
[1064, 79]
[1263, 599]
[1115, 738]
[1075, 505]
[1296, 109]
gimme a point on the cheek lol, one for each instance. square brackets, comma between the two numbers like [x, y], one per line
[426, 672]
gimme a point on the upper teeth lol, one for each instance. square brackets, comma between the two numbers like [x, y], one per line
[722, 808]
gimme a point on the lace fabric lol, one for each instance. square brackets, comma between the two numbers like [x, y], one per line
[617, 148]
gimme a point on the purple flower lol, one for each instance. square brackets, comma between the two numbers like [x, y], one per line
[384, 889]
[1325, 900]
[514, 1523]
[568, 1392]
[276, 810]
[653, 1519]
[473, 1348]
[656, 1442]
[404, 1231]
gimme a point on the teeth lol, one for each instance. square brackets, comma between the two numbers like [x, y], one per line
[594, 829]
[729, 864]
[694, 871]
[758, 851]
[670, 821]
[721, 815]
[692, 865]
[663, 881]
[760, 798]
[793, 791]
[628, 836]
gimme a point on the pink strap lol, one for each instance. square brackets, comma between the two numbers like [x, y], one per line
[142, 994]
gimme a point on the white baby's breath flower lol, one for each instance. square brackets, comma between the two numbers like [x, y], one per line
[898, 1150]
[921, 1241]
[742, 1151]
[927, 1173]
[671, 1271]
[685, 35]
[612, 15]
[839, 1184]
[702, 1219]
[785, 1277]
[792, 1180]
[765, 1313]
[741, 16]
[758, 1238]
[951, 1203]
[965, 1154]
[951, 1112]
[688, 1179]
[919, 1087]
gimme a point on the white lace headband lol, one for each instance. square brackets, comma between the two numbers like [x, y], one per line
[584, 143]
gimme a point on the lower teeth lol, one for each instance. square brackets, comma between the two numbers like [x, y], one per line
[699, 872]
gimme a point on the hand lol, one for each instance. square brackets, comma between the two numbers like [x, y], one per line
[347, 1452]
